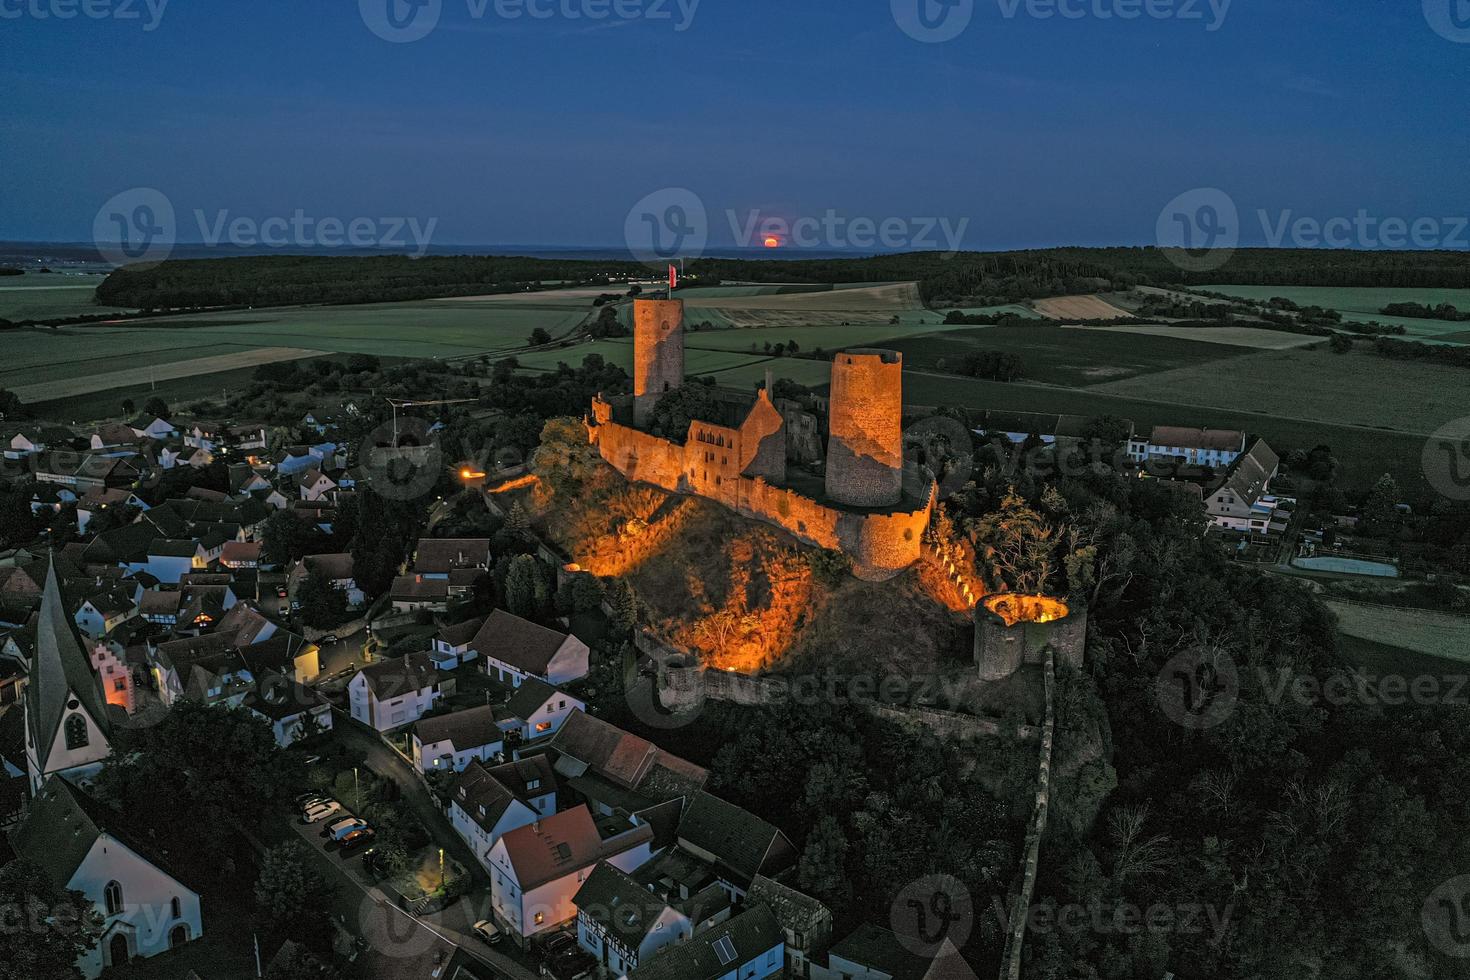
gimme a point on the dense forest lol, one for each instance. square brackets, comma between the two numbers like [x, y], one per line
[966, 278]
[291, 279]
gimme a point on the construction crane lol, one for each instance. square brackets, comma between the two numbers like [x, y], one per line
[398, 403]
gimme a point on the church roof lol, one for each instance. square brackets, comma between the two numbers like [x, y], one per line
[60, 671]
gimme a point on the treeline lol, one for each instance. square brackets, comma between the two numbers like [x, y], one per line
[1422, 311]
[990, 365]
[12, 272]
[284, 280]
[1454, 355]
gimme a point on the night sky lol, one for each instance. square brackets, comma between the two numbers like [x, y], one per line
[547, 131]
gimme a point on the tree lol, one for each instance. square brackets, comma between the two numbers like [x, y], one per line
[539, 337]
[1017, 543]
[323, 605]
[129, 407]
[46, 928]
[220, 765]
[1381, 509]
[580, 593]
[285, 538]
[291, 898]
[10, 404]
[525, 587]
[156, 407]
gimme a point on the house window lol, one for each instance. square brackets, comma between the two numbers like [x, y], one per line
[176, 908]
[540, 918]
[76, 733]
[542, 726]
[112, 898]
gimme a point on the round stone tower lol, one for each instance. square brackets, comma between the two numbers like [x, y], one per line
[1013, 629]
[658, 353]
[865, 422]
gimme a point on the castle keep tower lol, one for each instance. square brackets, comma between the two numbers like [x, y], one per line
[658, 353]
[865, 421]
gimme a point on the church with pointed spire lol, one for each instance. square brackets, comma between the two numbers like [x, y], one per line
[68, 731]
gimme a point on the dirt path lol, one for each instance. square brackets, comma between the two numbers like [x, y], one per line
[189, 368]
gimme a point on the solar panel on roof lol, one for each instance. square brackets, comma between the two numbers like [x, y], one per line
[725, 950]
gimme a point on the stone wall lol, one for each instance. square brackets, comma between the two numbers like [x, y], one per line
[865, 429]
[658, 353]
[881, 545]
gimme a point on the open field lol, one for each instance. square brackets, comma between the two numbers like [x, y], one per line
[1078, 308]
[50, 295]
[1360, 304]
[1231, 336]
[189, 368]
[1316, 385]
[1059, 355]
[754, 307]
[1419, 631]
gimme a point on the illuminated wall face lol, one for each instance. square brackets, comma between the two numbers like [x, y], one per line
[865, 420]
[1015, 608]
[658, 353]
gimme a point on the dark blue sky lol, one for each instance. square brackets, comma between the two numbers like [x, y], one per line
[1038, 131]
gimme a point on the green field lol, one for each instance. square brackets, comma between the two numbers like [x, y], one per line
[1075, 358]
[1316, 385]
[49, 296]
[1361, 304]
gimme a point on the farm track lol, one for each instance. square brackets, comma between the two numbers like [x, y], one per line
[162, 372]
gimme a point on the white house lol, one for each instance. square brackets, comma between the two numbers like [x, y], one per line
[516, 648]
[315, 485]
[482, 809]
[68, 729]
[84, 847]
[622, 923]
[393, 693]
[152, 427]
[455, 740]
[537, 710]
[292, 711]
[171, 560]
[1215, 448]
[536, 870]
[874, 953]
[105, 611]
[1243, 502]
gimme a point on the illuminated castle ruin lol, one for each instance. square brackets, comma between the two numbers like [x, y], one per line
[740, 459]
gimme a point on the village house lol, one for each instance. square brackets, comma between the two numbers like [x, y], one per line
[615, 770]
[483, 809]
[516, 648]
[622, 924]
[875, 953]
[109, 662]
[152, 427]
[1243, 502]
[105, 610]
[170, 560]
[393, 693]
[735, 843]
[537, 870]
[805, 922]
[315, 485]
[205, 668]
[411, 593]
[455, 740]
[292, 711]
[436, 558]
[82, 846]
[747, 947]
[1213, 448]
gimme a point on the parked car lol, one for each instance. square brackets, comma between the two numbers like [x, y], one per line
[557, 944]
[356, 841]
[340, 829]
[312, 801]
[487, 931]
[329, 638]
[319, 813]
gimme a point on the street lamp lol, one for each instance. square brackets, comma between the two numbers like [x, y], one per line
[441, 869]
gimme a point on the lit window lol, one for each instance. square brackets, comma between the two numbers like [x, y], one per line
[540, 918]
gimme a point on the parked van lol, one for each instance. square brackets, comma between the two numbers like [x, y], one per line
[342, 828]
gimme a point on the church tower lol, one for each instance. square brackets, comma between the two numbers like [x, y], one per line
[67, 729]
